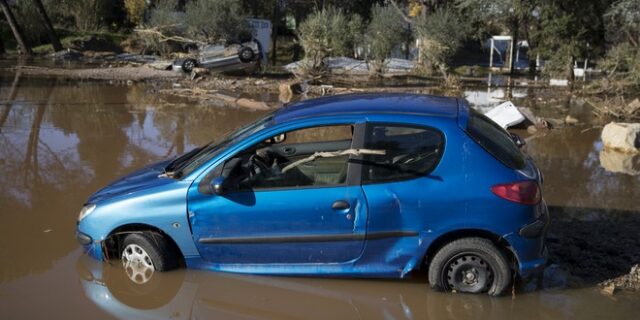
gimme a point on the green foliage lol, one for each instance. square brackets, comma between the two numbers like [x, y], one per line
[216, 20]
[386, 31]
[623, 22]
[328, 32]
[441, 35]
[622, 63]
[88, 15]
[162, 17]
[30, 21]
[135, 10]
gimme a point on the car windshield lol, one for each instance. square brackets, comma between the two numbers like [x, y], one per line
[210, 150]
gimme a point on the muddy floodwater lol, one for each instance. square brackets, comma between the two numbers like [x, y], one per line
[62, 140]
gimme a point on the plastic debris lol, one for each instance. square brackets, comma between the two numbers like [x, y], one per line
[505, 114]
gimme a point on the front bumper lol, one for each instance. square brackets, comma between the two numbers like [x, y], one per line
[91, 247]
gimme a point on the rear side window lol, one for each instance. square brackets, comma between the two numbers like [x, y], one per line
[495, 140]
[409, 152]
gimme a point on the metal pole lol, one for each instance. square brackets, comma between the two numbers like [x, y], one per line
[491, 55]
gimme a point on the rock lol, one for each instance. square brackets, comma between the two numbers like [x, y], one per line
[286, 94]
[609, 289]
[620, 162]
[570, 120]
[252, 104]
[624, 137]
[633, 107]
[532, 129]
[199, 72]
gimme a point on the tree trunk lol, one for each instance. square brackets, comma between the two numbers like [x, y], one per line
[514, 45]
[274, 36]
[15, 28]
[53, 37]
[2, 51]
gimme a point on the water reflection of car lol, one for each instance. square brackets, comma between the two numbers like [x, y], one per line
[221, 57]
[198, 295]
[370, 185]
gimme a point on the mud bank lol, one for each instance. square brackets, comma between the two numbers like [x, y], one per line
[118, 73]
[596, 247]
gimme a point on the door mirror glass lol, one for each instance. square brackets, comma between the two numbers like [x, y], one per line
[217, 185]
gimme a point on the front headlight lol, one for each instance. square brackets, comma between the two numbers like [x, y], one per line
[86, 210]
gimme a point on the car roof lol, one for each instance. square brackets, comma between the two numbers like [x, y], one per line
[370, 103]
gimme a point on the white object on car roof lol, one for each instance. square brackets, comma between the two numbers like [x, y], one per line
[505, 114]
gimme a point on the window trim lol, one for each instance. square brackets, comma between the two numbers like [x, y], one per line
[353, 177]
[404, 125]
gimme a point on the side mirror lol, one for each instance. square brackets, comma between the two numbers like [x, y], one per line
[217, 185]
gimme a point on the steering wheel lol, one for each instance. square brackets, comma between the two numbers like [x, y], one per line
[257, 165]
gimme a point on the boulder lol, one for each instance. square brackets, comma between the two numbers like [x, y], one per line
[624, 137]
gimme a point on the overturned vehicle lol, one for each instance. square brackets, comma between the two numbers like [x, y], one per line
[220, 57]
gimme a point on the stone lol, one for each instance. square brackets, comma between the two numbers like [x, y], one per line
[624, 137]
[633, 107]
[570, 120]
[609, 289]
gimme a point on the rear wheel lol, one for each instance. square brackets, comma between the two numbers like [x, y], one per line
[188, 65]
[146, 252]
[470, 265]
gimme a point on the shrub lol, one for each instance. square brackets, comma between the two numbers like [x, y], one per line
[135, 10]
[441, 34]
[216, 20]
[30, 21]
[328, 32]
[386, 31]
[622, 63]
[164, 18]
[88, 15]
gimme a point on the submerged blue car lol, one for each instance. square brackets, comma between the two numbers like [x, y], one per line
[368, 185]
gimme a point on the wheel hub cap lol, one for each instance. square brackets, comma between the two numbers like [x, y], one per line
[137, 264]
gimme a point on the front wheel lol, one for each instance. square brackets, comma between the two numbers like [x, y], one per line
[470, 265]
[146, 252]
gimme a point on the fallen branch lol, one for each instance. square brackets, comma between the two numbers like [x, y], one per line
[155, 31]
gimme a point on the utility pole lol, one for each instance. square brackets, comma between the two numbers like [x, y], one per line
[53, 37]
[15, 28]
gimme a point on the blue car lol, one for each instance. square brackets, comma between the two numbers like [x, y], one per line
[368, 185]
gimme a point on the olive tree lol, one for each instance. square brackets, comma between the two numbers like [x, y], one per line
[386, 31]
[217, 20]
[441, 34]
[327, 32]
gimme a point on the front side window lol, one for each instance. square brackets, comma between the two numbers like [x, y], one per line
[409, 152]
[316, 156]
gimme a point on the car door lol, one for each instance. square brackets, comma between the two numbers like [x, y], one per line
[289, 209]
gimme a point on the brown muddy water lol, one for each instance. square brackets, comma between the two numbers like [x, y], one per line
[62, 140]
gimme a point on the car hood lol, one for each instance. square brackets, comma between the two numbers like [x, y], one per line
[138, 180]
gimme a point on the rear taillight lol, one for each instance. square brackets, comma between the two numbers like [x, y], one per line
[523, 192]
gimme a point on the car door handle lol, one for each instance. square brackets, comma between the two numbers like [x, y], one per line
[289, 150]
[340, 205]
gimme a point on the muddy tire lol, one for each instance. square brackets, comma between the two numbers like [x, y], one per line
[470, 265]
[151, 249]
[246, 54]
[188, 65]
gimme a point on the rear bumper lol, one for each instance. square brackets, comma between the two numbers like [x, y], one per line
[529, 244]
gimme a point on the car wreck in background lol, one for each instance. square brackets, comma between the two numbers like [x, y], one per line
[231, 56]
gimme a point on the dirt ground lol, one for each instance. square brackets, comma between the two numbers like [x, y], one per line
[599, 248]
[118, 73]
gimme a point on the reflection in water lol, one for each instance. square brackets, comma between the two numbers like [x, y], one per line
[60, 141]
[189, 294]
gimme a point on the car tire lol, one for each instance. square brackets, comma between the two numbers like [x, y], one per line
[470, 265]
[246, 54]
[151, 248]
[188, 65]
